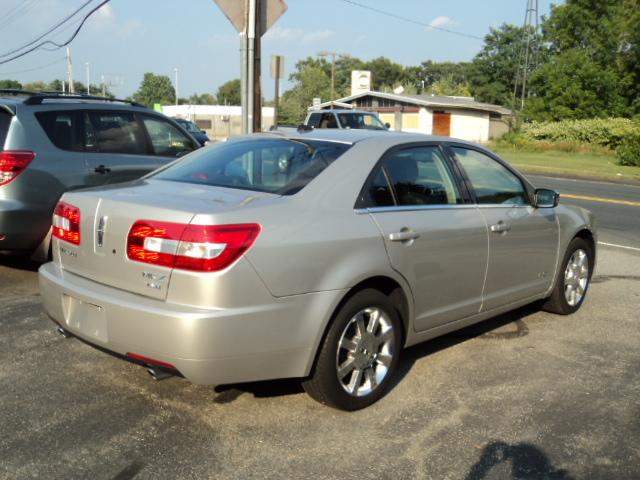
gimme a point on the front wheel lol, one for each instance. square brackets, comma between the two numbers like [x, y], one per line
[573, 279]
[359, 354]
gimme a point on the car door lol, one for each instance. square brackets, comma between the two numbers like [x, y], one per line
[433, 236]
[116, 146]
[523, 240]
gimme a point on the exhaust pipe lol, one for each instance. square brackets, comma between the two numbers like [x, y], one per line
[158, 374]
[63, 332]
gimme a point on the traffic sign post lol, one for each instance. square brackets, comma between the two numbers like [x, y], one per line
[252, 18]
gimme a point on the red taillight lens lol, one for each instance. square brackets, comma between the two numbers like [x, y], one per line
[202, 248]
[66, 223]
[13, 163]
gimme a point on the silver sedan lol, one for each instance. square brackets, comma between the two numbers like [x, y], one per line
[316, 255]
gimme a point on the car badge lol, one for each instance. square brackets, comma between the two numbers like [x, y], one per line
[102, 226]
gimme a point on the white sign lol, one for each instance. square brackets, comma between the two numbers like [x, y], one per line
[360, 81]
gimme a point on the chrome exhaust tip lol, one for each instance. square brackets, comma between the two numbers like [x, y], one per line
[63, 332]
[158, 374]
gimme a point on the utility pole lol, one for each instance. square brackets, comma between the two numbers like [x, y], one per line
[333, 56]
[104, 88]
[88, 78]
[528, 57]
[175, 71]
[277, 72]
[70, 71]
[257, 67]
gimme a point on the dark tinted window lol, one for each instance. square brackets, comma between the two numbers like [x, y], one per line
[166, 139]
[63, 129]
[328, 120]
[114, 132]
[266, 165]
[421, 176]
[380, 191]
[492, 182]
[314, 119]
[5, 120]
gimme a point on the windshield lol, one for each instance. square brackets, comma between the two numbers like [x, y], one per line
[277, 166]
[366, 121]
[188, 126]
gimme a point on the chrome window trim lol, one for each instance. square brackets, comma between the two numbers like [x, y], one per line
[414, 208]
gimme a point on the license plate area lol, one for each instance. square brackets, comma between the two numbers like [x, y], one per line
[87, 318]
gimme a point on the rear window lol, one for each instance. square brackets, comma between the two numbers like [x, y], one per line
[115, 132]
[277, 166]
[5, 120]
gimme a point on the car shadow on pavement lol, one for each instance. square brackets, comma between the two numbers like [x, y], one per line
[524, 460]
[19, 262]
[495, 328]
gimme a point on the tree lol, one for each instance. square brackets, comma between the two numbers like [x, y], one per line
[492, 73]
[310, 80]
[385, 73]
[202, 99]
[229, 93]
[155, 89]
[10, 85]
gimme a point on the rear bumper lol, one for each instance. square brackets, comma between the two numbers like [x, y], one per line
[207, 346]
[23, 227]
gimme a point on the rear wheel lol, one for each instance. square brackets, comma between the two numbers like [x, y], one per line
[359, 354]
[573, 279]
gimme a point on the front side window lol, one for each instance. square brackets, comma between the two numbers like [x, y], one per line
[63, 129]
[492, 182]
[114, 132]
[418, 176]
[328, 120]
[267, 165]
[166, 139]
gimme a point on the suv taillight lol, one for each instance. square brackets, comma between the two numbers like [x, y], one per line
[202, 248]
[13, 163]
[66, 223]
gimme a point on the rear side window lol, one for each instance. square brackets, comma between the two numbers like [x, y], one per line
[114, 132]
[5, 120]
[267, 165]
[418, 176]
[63, 129]
[166, 139]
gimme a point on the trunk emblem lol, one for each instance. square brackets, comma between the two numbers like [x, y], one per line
[102, 227]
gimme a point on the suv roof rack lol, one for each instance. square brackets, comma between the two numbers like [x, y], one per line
[39, 97]
[15, 92]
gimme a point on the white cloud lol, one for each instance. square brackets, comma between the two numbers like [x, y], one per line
[439, 22]
[297, 34]
[105, 11]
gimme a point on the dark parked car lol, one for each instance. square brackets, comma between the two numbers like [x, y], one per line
[52, 143]
[195, 131]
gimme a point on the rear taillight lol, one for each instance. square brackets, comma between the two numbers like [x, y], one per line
[13, 163]
[202, 248]
[66, 223]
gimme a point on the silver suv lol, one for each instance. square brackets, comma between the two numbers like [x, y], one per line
[51, 143]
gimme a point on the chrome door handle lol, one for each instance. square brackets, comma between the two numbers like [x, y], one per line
[403, 236]
[500, 227]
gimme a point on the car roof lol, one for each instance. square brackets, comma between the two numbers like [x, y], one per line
[342, 110]
[352, 136]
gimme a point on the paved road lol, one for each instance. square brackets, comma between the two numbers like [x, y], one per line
[526, 395]
[618, 223]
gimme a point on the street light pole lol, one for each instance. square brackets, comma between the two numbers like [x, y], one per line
[175, 71]
[88, 78]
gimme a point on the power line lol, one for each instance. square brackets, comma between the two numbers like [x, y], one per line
[19, 10]
[55, 44]
[57, 25]
[411, 20]
[41, 67]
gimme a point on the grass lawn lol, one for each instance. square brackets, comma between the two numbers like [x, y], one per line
[581, 165]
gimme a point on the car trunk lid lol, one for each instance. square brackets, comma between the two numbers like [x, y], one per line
[108, 214]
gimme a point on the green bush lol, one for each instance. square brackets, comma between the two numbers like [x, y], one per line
[628, 152]
[604, 132]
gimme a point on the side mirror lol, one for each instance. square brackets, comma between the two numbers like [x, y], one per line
[203, 131]
[388, 125]
[545, 198]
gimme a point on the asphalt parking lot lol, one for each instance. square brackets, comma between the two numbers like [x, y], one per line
[527, 395]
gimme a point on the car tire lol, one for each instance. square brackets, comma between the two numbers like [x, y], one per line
[572, 280]
[359, 354]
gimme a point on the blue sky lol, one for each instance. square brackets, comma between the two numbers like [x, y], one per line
[129, 37]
